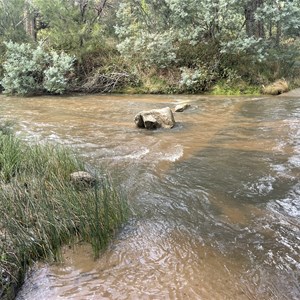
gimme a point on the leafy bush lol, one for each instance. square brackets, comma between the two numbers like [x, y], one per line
[149, 48]
[196, 80]
[29, 70]
[55, 80]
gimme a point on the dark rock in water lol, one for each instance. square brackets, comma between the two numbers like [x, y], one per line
[83, 179]
[155, 118]
[182, 107]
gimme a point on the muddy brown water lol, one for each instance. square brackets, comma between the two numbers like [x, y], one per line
[216, 200]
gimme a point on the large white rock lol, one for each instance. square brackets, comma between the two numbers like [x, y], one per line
[155, 118]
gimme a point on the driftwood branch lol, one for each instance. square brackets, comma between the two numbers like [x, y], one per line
[107, 82]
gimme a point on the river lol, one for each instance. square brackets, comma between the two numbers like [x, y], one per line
[215, 200]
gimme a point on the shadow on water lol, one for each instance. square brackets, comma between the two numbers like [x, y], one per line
[216, 199]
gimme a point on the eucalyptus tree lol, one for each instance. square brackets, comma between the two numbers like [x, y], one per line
[149, 27]
[279, 19]
[153, 31]
[271, 32]
[12, 20]
[71, 24]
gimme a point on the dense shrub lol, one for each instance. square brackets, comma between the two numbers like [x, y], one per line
[29, 70]
[150, 49]
[196, 80]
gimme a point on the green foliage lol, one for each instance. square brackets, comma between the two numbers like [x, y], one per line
[189, 34]
[11, 26]
[11, 21]
[280, 13]
[22, 75]
[55, 80]
[257, 40]
[88, 34]
[149, 49]
[10, 156]
[141, 38]
[29, 70]
[174, 21]
[71, 25]
[41, 209]
[196, 80]
[239, 87]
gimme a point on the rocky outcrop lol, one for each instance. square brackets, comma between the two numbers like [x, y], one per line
[155, 118]
[82, 179]
[182, 107]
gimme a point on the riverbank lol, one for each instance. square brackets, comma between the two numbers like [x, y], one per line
[43, 209]
[220, 88]
[91, 75]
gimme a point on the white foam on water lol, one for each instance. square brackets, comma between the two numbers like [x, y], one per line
[54, 137]
[295, 161]
[138, 154]
[262, 187]
[172, 155]
[289, 205]
[280, 146]
[279, 168]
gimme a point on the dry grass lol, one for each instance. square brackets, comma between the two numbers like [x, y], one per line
[278, 87]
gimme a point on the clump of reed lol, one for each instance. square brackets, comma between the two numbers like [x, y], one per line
[41, 209]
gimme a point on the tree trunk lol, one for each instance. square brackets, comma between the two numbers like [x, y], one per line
[278, 33]
[254, 28]
[249, 18]
[30, 22]
[278, 29]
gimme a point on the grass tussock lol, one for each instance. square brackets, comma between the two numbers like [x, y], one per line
[41, 209]
[276, 88]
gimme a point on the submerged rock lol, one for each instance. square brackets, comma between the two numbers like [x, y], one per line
[155, 118]
[82, 179]
[182, 107]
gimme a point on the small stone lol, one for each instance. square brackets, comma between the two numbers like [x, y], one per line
[182, 107]
[83, 179]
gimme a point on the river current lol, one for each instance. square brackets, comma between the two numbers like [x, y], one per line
[215, 200]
